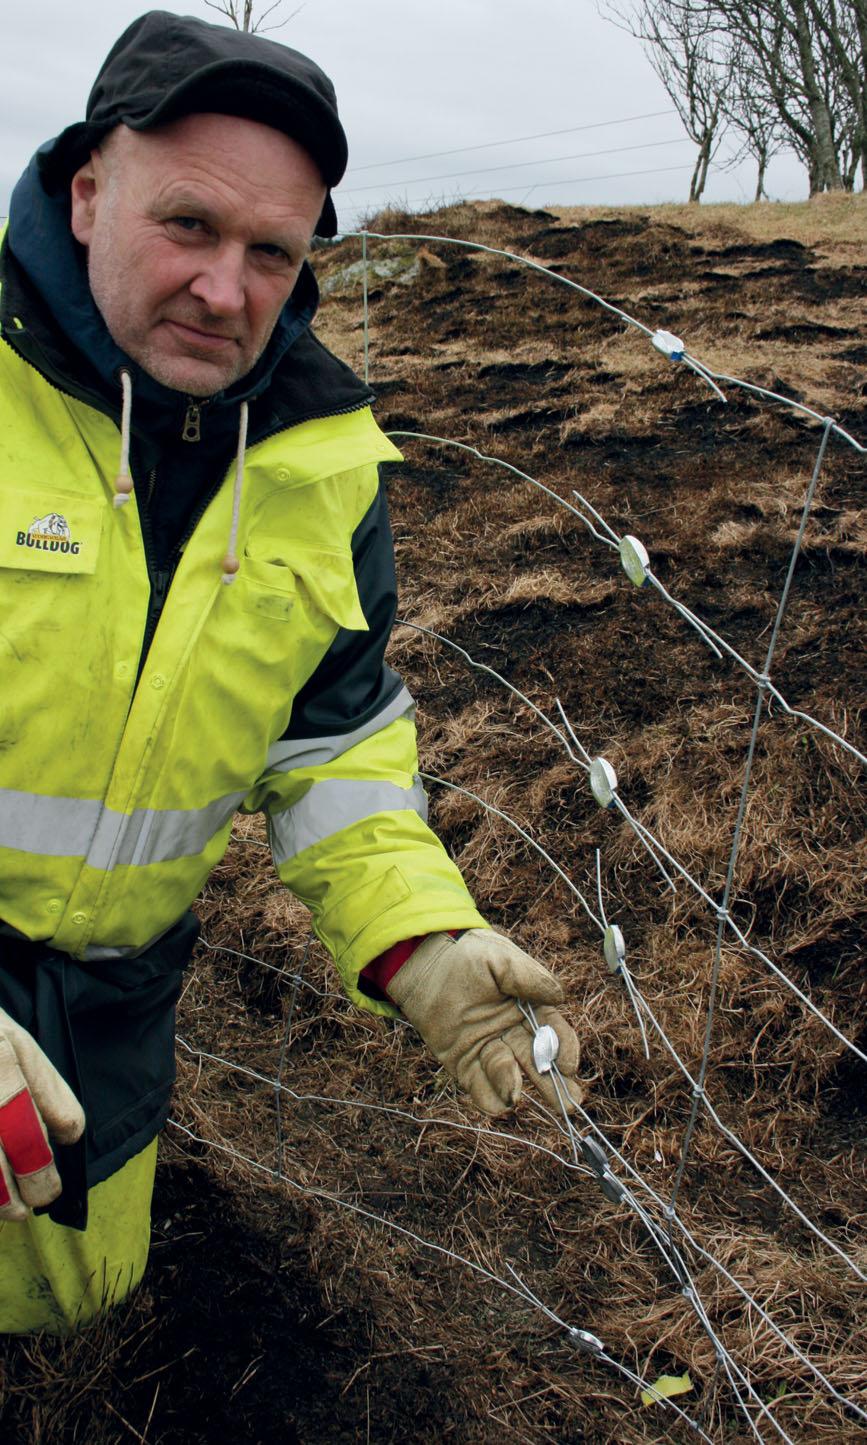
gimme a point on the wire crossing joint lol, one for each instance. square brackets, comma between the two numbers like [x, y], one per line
[595, 1155]
[603, 782]
[614, 948]
[669, 344]
[546, 1047]
[612, 1188]
[587, 1341]
[635, 560]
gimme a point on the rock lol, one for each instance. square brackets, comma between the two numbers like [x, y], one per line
[402, 269]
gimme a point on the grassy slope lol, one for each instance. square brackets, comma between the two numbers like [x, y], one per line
[278, 1318]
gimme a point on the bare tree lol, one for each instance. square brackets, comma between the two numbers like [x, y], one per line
[859, 10]
[780, 72]
[682, 41]
[842, 27]
[241, 12]
[751, 113]
[789, 63]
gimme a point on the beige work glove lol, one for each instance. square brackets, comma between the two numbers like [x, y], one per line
[460, 994]
[34, 1101]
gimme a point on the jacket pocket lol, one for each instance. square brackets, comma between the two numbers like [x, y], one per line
[49, 531]
[319, 578]
[266, 589]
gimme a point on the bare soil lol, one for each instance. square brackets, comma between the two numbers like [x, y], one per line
[270, 1314]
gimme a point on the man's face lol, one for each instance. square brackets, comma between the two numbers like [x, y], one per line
[195, 235]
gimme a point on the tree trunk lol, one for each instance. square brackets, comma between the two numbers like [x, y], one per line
[702, 162]
[760, 181]
[824, 166]
[860, 7]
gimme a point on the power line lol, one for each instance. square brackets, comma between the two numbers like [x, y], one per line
[517, 165]
[576, 181]
[580, 180]
[516, 140]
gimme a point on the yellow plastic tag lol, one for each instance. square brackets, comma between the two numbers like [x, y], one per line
[666, 1386]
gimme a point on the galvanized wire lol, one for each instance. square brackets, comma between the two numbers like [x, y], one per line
[610, 539]
[700, 368]
[674, 1260]
[666, 1246]
[583, 1340]
[654, 846]
[674, 1219]
[662, 1236]
[739, 825]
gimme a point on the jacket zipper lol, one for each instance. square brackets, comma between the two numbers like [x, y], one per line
[161, 577]
[191, 431]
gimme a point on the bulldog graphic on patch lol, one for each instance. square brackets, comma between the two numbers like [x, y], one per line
[50, 533]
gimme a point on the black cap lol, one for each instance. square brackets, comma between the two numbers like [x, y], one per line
[166, 66]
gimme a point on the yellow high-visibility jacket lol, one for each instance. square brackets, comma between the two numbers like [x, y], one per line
[117, 790]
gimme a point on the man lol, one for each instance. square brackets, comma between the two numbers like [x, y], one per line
[169, 425]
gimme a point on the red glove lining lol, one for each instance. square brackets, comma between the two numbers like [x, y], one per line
[381, 970]
[22, 1138]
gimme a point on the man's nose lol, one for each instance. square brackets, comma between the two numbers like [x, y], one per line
[220, 282]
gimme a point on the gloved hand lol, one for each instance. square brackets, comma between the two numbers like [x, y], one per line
[34, 1100]
[460, 994]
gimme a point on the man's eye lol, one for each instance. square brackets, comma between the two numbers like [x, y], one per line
[273, 252]
[186, 223]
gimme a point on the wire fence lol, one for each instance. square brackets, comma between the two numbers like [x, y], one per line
[586, 1148]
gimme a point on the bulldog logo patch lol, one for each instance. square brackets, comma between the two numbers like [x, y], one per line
[50, 533]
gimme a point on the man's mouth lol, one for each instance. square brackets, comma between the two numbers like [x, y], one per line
[198, 340]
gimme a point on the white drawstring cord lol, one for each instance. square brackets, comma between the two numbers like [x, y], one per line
[123, 480]
[123, 484]
[230, 561]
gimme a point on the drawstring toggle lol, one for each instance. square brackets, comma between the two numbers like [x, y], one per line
[231, 564]
[123, 480]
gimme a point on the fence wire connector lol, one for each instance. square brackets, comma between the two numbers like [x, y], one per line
[595, 1155]
[669, 344]
[614, 948]
[603, 782]
[546, 1047]
[613, 1190]
[586, 1340]
[635, 560]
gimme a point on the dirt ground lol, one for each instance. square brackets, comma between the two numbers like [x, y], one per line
[270, 1313]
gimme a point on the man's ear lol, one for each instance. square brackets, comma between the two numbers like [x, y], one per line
[84, 189]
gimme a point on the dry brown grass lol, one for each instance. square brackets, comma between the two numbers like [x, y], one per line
[837, 223]
[308, 1322]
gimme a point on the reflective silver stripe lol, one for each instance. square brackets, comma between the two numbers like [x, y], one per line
[33, 823]
[152, 835]
[73, 828]
[313, 752]
[330, 806]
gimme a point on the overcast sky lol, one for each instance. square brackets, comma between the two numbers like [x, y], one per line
[415, 77]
